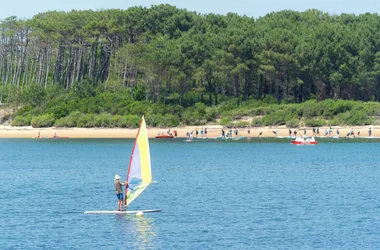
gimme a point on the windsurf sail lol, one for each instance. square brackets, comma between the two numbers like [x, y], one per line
[139, 174]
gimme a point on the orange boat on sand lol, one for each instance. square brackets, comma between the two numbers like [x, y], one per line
[165, 136]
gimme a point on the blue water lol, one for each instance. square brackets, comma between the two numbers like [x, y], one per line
[214, 195]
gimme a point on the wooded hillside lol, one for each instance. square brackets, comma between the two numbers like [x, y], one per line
[183, 57]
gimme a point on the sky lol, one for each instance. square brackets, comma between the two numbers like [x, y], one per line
[25, 9]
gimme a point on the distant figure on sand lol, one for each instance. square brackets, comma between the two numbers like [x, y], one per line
[318, 131]
[39, 135]
[119, 191]
[249, 130]
[290, 132]
[369, 132]
[261, 132]
[55, 135]
[275, 133]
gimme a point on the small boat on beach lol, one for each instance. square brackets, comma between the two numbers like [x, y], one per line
[304, 141]
[165, 136]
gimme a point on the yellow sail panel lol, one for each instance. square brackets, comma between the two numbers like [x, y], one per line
[139, 172]
[143, 144]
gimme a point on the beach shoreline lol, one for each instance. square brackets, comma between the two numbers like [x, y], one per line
[213, 131]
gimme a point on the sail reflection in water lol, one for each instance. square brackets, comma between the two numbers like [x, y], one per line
[139, 232]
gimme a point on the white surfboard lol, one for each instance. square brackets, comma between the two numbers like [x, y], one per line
[123, 212]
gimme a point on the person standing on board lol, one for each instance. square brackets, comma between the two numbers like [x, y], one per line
[119, 191]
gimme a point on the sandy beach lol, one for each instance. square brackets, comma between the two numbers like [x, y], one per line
[212, 132]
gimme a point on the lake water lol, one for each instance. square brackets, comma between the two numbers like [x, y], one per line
[214, 195]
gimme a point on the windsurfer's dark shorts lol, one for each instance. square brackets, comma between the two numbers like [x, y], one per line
[119, 196]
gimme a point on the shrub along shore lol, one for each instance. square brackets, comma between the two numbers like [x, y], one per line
[117, 110]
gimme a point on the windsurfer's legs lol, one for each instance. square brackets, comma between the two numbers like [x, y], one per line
[119, 201]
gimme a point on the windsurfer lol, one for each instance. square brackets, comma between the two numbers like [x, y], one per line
[119, 191]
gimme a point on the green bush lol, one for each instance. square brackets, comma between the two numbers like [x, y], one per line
[103, 120]
[23, 110]
[292, 123]
[139, 108]
[133, 121]
[257, 122]
[87, 121]
[210, 114]
[241, 124]
[334, 122]
[21, 121]
[42, 121]
[310, 109]
[276, 118]
[315, 122]
[355, 118]
[226, 121]
[190, 116]
[68, 121]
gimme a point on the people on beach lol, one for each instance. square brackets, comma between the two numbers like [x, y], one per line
[369, 132]
[55, 135]
[196, 133]
[119, 191]
[249, 130]
[206, 132]
[38, 135]
[189, 135]
[261, 132]
[313, 131]
[290, 132]
[337, 133]
[318, 131]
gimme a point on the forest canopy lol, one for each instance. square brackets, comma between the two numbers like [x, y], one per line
[173, 62]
